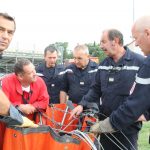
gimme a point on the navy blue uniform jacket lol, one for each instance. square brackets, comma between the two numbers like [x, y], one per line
[52, 79]
[138, 102]
[113, 84]
[77, 81]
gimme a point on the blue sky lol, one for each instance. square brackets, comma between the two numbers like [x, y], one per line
[40, 23]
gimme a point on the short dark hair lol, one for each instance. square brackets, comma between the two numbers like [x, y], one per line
[8, 17]
[51, 48]
[18, 68]
[113, 33]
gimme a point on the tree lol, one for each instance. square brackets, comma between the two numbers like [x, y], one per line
[95, 51]
[64, 53]
[62, 49]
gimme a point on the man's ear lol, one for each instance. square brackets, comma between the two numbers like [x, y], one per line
[113, 43]
[147, 32]
[116, 40]
[88, 55]
[20, 76]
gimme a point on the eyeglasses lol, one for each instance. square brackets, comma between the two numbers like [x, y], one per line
[130, 43]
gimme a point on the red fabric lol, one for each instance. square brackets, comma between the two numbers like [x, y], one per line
[40, 140]
[56, 113]
[12, 88]
[26, 95]
[2, 132]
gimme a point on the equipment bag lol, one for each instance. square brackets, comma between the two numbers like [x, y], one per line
[41, 138]
[58, 117]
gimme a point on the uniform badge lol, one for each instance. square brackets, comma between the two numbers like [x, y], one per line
[111, 79]
[52, 85]
[81, 83]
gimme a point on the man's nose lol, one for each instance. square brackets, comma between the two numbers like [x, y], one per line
[136, 44]
[5, 34]
[34, 72]
[101, 46]
[76, 60]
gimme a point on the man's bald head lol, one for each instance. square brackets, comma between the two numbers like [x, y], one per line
[141, 34]
[142, 23]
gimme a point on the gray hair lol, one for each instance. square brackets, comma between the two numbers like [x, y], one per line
[142, 23]
[82, 47]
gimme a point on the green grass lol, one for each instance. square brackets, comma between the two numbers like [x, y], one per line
[143, 142]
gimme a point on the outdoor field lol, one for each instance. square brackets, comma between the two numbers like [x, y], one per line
[144, 137]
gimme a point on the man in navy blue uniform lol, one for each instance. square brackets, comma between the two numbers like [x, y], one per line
[113, 81]
[51, 73]
[137, 105]
[78, 76]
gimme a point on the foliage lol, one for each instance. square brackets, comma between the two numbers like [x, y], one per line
[95, 51]
[143, 142]
[63, 49]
